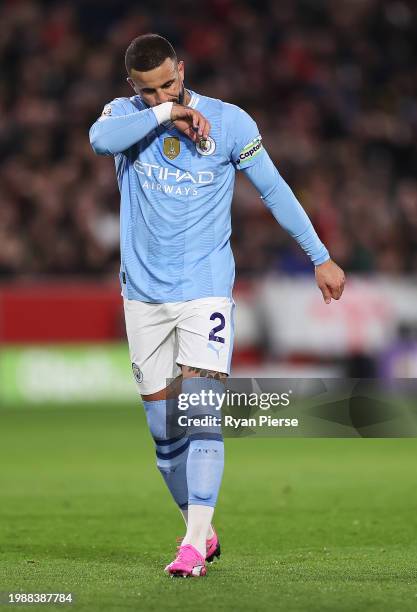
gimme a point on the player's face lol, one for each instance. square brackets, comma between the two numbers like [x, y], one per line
[162, 84]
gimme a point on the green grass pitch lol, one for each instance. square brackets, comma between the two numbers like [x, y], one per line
[305, 524]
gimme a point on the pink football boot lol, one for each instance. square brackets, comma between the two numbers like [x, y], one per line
[212, 548]
[188, 562]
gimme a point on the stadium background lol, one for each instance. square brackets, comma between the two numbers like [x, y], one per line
[333, 88]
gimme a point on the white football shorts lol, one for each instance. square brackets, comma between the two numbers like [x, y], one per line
[197, 333]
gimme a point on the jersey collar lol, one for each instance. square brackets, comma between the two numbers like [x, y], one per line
[194, 99]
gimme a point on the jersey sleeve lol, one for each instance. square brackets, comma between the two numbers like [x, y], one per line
[244, 140]
[285, 207]
[120, 126]
[116, 108]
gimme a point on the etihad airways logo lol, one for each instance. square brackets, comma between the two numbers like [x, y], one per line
[162, 173]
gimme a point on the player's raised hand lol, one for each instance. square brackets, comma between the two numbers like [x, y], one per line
[189, 121]
[330, 280]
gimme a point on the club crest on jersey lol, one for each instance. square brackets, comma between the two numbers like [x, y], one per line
[172, 147]
[206, 146]
[137, 373]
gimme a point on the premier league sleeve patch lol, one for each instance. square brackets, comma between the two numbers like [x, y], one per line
[107, 111]
[250, 152]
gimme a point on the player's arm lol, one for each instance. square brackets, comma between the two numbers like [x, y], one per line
[285, 207]
[117, 130]
[248, 155]
[289, 213]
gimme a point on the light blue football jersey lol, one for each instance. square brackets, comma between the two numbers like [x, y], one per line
[175, 203]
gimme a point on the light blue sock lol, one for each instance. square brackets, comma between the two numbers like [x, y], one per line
[206, 452]
[171, 453]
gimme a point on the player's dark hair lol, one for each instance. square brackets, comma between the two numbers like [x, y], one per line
[147, 52]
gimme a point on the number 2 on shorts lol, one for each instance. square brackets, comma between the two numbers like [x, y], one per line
[215, 330]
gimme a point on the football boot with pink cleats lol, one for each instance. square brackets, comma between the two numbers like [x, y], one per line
[212, 548]
[188, 562]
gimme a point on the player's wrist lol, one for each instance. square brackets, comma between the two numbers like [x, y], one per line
[324, 261]
[322, 256]
[163, 112]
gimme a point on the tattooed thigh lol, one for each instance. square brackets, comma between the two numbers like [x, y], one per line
[188, 372]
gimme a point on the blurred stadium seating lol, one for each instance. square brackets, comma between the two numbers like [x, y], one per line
[333, 88]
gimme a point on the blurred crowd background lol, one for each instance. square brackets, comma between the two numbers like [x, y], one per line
[332, 85]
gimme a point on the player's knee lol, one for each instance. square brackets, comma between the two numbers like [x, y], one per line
[209, 390]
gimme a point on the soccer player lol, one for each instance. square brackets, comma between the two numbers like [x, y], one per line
[176, 154]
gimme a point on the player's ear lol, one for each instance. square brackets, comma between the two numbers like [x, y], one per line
[181, 69]
[131, 83]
